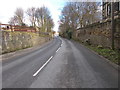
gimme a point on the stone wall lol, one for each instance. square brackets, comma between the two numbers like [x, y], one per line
[99, 33]
[12, 41]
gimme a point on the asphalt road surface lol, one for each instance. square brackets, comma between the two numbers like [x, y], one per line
[61, 63]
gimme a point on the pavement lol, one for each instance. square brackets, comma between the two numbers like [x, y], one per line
[61, 63]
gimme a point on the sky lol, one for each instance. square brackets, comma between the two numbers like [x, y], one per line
[8, 7]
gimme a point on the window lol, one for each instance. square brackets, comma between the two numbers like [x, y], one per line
[116, 5]
[119, 6]
[109, 9]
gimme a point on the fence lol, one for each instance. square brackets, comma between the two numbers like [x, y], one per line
[15, 28]
[7, 27]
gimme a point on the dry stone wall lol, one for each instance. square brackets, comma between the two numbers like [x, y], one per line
[99, 34]
[12, 41]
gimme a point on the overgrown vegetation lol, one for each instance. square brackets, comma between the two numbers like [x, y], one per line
[112, 55]
[38, 17]
[77, 15]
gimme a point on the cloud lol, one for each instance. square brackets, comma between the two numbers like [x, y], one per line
[8, 8]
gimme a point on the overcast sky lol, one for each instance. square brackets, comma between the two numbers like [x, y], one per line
[8, 7]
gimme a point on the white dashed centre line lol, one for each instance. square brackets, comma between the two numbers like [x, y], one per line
[61, 45]
[58, 49]
[43, 66]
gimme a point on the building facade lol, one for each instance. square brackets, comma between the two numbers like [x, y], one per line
[100, 33]
[106, 10]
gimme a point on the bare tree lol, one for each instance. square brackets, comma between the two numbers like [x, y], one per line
[69, 19]
[13, 21]
[90, 12]
[19, 13]
[49, 24]
[44, 19]
[17, 19]
[39, 17]
[31, 13]
[78, 14]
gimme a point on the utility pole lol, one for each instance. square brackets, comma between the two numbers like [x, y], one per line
[112, 24]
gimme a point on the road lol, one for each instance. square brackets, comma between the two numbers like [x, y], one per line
[59, 64]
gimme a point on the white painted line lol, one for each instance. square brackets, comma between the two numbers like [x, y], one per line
[60, 39]
[43, 66]
[61, 44]
[58, 49]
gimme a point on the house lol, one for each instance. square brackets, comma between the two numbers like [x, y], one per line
[106, 10]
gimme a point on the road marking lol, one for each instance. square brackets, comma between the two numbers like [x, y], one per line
[60, 39]
[43, 66]
[61, 44]
[58, 49]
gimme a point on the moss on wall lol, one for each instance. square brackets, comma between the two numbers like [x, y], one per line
[99, 34]
[12, 41]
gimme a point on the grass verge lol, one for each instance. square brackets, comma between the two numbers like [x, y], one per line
[112, 55]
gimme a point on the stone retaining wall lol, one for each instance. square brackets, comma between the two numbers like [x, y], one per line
[99, 34]
[12, 41]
